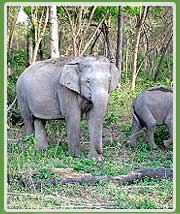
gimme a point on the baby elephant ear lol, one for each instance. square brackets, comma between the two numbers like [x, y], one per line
[70, 76]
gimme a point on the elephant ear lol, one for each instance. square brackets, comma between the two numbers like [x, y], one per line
[115, 77]
[70, 76]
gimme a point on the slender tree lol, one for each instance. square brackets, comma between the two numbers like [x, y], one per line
[54, 39]
[108, 41]
[40, 27]
[136, 45]
[13, 13]
[119, 39]
[163, 53]
[29, 44]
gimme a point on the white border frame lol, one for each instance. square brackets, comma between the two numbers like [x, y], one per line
[172, 4]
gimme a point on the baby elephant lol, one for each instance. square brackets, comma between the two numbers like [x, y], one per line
[150, 108]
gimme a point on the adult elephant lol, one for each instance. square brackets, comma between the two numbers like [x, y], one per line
[64, 89]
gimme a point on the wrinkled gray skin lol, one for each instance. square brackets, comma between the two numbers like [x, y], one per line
[150, 108]
[65, 89]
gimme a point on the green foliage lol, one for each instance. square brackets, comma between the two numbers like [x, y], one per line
[60, 11]
[29, 139]
[156, 10]
[16, 59]
[14, 116]
[27, 10]
[132, 10]
[44, 173]
[161, 133]
[13, 11]
[106, 11]
[85, 165]
[126, 128]
[11, 85]
[147, 194]
[111, 118]
[17, 62]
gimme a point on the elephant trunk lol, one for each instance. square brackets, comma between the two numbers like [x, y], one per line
[95, 121]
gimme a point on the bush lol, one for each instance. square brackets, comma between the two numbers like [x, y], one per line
[16, 58]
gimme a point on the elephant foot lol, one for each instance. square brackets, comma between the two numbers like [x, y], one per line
[98, 157]
[154, 146]
[75, 153]
[167, 142]
[130, 143]
[40, 146]
[94, 155]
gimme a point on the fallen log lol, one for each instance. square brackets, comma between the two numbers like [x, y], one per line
[132, 176]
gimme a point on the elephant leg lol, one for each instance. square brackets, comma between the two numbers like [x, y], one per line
[150, 122]
[28, 122]
[73, 132]
[40, 135]
[27, 116]
[169, 124]
[136, 127]
[150, 136]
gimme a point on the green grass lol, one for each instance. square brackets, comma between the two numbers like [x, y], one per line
[119, 159]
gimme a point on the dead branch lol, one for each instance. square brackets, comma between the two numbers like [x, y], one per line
[92, 37]
[132, 176]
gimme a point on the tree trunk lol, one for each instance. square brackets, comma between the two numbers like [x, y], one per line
[119, 39]
[106, 36]
[54, 39]
[94, 43]
[136, 46]
[12, 27]
[61, 36]
[29, 46]
[41, 51]
[163, 52]
[40, 35]
[7, 19]
[71, 24]
[11, 34]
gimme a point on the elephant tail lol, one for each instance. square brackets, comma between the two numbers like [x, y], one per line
[12, 104]
[134, 114]
[136, 117]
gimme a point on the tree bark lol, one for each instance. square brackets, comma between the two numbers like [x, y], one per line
[54, 39]
[40, 35]
[29, 46]
[108, 43]
[72, 30]
[119, 39]
[41, 51]
[136, 46]
[163, 52]
[94, 43]
[12, 27]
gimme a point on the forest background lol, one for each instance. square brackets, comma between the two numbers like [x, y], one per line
[139, 39]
